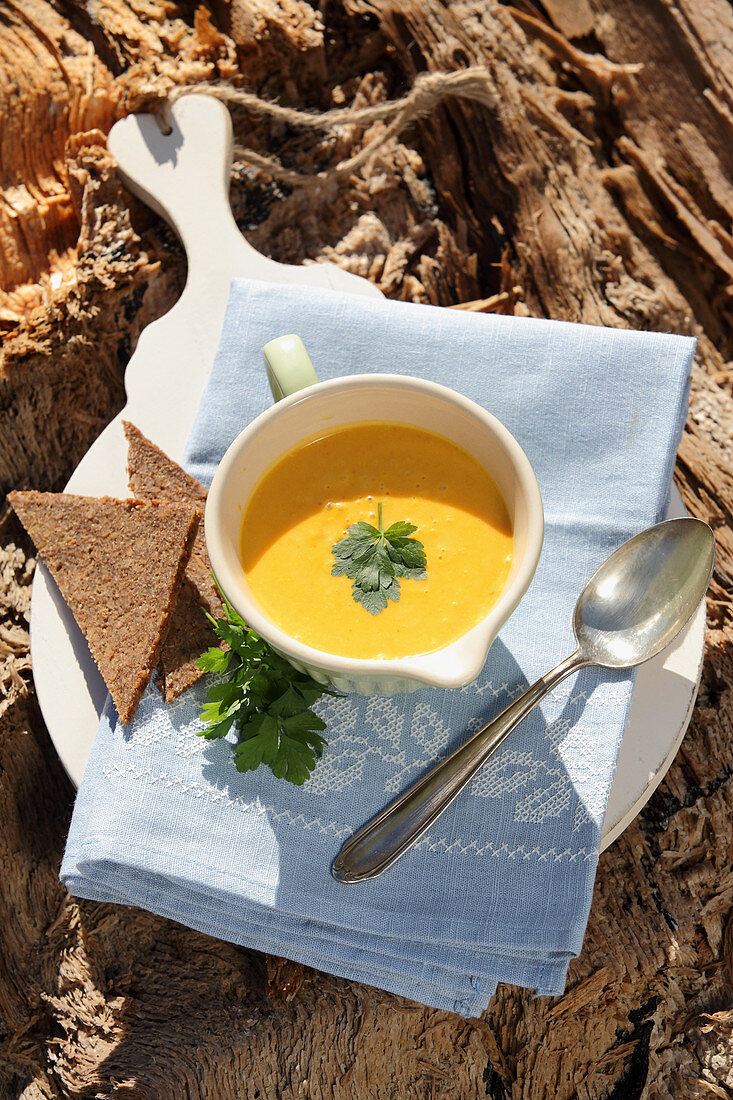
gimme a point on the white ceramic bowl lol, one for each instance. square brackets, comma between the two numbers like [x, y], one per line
[385, 397]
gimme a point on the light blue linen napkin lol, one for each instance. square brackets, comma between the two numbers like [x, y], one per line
[500, 888]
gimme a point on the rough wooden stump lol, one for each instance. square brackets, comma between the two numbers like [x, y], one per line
[586, 190]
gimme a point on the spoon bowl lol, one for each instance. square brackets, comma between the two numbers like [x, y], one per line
[644, 594]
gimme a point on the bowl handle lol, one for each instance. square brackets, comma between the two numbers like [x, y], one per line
[288, 366]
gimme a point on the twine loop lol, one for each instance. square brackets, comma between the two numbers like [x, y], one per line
[428, 91]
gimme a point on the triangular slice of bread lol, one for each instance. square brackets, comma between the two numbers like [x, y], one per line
[119, 565]
[155, 476]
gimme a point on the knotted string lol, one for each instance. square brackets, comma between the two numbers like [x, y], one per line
[427, 92]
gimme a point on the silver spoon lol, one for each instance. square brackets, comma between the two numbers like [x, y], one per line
[630, 610]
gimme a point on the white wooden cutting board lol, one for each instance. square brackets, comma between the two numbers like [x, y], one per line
[184, 176]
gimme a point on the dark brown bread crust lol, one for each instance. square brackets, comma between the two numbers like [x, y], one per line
[119, 565]
[155, 476]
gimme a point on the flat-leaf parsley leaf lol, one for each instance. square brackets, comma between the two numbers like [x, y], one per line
[375, 560]
[264, 699]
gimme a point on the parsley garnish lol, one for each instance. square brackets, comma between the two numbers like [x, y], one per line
[374, 559]
[265, 699]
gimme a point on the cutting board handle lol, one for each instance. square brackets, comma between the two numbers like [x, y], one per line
[184, 174]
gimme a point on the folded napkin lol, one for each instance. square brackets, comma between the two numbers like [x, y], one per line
[500, 887]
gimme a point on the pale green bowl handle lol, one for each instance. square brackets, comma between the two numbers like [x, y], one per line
[288, 366]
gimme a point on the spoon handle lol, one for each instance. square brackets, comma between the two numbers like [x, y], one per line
[383, 839]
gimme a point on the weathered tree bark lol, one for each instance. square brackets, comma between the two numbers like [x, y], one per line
[596, 187]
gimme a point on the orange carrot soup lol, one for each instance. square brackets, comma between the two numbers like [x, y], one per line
[303, 504]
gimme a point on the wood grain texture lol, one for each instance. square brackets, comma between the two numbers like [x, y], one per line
[590, 189]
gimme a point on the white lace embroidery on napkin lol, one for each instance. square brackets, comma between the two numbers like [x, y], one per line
[376, 733]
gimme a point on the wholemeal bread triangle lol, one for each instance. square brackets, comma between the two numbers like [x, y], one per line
[155, 476]
[119, 565]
